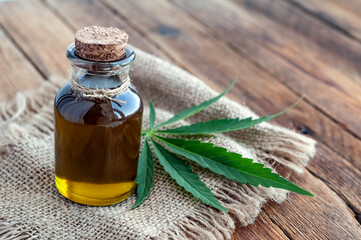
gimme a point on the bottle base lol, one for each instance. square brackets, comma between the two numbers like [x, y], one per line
[94, 194]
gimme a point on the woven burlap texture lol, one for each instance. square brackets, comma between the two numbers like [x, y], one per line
[30, 205]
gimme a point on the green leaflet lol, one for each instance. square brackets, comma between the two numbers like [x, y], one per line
[219, 160]
[145, 174]
[184, 176]
[151, 115]
[145, 171]
[221, 125]
[213, 126]
[231, 165]
[195, 109]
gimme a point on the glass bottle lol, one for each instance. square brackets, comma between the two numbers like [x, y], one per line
[97, 138]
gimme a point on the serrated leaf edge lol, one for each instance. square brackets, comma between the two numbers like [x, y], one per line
[196, 108]
[300, 190]
[245, 123]
[212, 202]
[145, 161]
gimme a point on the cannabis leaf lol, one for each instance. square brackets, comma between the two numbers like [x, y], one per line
[219, 160]
[221, 125]
[145, 174]
[151, 115]
[184, 176]
[195, 109]
[229, 164]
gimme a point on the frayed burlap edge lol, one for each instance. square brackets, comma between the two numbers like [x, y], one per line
[10, 229]
[26, 117]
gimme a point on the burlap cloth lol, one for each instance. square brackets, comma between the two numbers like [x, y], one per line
[31, 207]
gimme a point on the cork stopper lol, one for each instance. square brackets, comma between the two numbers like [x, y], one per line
[100, 43]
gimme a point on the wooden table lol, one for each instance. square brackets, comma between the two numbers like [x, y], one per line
[279, 49]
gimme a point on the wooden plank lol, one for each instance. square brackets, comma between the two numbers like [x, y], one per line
[338, 174]
[286, 56]
[16, 73]
[345, 51]
[89, 13]
[331, 201]
[262, 228]
[325, 165]
[344, 14]
[53, 34]
[28, 11]
[314, 218]
[298, 114]
[251, 78]
[149, 24]
[199, 61]
[323, 131]
[42, 37]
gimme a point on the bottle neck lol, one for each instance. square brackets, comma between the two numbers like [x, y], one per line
[97, 74]
[100, 79]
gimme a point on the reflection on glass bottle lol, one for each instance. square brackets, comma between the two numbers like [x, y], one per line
[97, 139]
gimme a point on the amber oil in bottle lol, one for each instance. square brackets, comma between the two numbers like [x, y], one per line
[98, 121]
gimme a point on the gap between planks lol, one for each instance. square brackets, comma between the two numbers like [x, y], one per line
[38, 69]
[168, 57]
[12, 40]
[295, 74]
[231, 45]
[260, 67]
[121, 17]
[20, 69]
[324, 20]
[128, 23]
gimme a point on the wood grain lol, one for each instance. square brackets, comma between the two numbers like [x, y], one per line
[347, 185]
[314, 218]
[89, 13]
[342, 53]
[174, 36]
[41, 36]
[16, 73]
[253, 84]
[329, 166]
[250, 77]
[251, 232]
[282, 70]
[169, 32]
[262, 228]
[286, 58]
[344, 14]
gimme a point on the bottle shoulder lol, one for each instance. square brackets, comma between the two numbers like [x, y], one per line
[97, 112]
